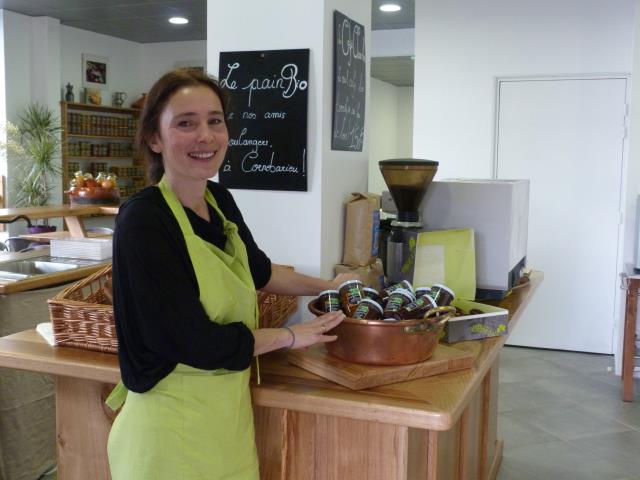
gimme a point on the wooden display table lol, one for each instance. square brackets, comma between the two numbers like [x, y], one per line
[441, 427]
[632, 285]
[72, 214]
[47, 237]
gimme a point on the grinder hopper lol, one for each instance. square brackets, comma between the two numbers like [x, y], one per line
[408, 180]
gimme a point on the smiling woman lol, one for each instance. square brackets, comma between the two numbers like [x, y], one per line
[188, 334]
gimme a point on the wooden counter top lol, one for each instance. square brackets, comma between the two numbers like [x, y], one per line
[55, 211]
[433, 403]
[45, 280]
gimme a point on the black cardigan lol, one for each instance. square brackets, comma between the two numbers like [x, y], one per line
[160, 321]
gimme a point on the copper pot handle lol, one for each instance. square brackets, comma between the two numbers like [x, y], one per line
[425, 326]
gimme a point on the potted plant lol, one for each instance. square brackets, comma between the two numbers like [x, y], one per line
[33, 144]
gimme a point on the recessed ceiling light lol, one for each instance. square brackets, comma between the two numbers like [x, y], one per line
[178, 20]
[390, 7]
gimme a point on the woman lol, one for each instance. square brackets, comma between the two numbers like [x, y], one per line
[185, 270]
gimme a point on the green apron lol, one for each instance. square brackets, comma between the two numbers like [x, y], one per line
[194, 424]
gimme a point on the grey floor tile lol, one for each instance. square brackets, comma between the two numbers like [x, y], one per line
[623, 412]
[561, 461]
[524, 396]
[512, 353]
[507, 472]
[533, 368]
[620, 448]
[516, 430]
[580, 362]
[571, 422]
[580, 388]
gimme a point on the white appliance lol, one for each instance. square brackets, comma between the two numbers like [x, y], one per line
[498, 212]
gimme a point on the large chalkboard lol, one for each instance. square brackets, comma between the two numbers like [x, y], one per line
[349, 84]
[267, 119]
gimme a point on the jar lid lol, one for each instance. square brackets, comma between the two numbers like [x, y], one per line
[408, 284]
[328, 292]
[443, 287]
[349, 282]
[402, 291]
[374, 303]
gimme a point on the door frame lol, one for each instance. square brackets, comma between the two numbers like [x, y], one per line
[618, 310]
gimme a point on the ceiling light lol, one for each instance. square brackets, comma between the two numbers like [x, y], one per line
[390, 7]
[178, 20]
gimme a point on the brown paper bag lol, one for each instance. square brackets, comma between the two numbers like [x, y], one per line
[372, 275]
[362, 225]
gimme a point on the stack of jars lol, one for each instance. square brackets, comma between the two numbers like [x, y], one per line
[397, 302]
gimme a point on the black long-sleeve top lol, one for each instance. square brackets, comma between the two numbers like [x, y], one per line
[160, 321]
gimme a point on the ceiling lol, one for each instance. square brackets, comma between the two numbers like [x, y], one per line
[145, 21]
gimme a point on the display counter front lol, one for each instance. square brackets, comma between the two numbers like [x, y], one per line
[440, 427]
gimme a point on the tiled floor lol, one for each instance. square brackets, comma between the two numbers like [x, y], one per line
[562, 418]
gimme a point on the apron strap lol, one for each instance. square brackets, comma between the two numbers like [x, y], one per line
[117, 396]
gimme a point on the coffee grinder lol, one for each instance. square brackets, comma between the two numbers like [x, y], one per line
[407, 180]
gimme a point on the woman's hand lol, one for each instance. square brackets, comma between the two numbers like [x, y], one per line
[297, 336]
[314, 331]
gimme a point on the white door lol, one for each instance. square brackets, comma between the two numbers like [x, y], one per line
[567, 137]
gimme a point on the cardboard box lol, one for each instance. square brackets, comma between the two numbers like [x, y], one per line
[492, 322]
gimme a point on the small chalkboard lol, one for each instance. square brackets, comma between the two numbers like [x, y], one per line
[349, 84]
[267, 119]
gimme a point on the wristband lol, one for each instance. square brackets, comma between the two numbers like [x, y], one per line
[293, 337]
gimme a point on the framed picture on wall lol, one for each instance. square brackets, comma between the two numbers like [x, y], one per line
[95, 71]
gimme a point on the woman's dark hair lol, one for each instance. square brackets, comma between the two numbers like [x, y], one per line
[154, 104]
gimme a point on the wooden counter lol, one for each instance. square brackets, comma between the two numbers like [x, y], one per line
[72, 214]
[8, 287]
[442, 427]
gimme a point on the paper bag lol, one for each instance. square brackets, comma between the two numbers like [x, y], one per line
[362, 227]
[372, 275]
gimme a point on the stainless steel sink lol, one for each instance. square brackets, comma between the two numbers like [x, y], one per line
[21, 269]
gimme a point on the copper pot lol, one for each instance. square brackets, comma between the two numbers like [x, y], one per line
[375, 342]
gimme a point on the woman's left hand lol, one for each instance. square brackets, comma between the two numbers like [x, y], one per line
[315, 331]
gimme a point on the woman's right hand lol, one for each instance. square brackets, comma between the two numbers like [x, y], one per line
[314, 331]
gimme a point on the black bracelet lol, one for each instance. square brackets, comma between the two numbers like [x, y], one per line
[293, 337]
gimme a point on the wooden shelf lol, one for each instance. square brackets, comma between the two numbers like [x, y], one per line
[69, 157]
[117, 137]
[67, 109]
[100, 108]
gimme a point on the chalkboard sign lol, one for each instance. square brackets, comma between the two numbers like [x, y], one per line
[267, 119]
[349, 84]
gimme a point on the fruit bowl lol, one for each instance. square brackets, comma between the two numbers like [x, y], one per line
[94, 196]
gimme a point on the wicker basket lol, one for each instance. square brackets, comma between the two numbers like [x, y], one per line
[82, 316]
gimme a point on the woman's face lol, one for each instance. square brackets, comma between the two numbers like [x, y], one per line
[192, 136]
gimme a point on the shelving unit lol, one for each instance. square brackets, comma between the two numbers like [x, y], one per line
[100, 138]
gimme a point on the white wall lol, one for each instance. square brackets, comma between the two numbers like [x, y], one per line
[342, 172]
[158, 58]
[404, 124]
[125, 59]
[463, 45]
[382, 130]
[391, 128]
[18, 73]
[3, 108]
[291, 226]
[398, 42]
[632, 180]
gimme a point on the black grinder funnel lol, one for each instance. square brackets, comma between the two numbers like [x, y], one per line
[408, 179]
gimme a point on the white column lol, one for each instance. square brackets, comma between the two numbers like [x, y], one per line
[303, 229]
